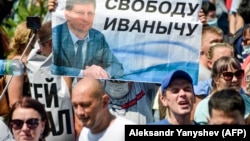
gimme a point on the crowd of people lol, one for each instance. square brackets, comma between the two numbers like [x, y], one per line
[93, 107]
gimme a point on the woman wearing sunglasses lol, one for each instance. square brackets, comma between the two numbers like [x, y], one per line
[28, 120]
[226, 73]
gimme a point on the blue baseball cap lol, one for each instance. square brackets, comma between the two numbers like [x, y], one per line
[173, 75]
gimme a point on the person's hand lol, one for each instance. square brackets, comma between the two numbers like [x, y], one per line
[96, 72]
[52, 5]
[202, 17]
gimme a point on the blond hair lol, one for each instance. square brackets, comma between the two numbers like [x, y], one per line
[20, 40]
[211, 29]
[210, 53]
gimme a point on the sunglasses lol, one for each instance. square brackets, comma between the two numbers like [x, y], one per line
[17, 124]
[228, 76]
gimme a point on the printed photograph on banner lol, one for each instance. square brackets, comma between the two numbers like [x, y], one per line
[126, 40]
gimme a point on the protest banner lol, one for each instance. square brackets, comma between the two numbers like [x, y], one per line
[53, 92]
[149, 38]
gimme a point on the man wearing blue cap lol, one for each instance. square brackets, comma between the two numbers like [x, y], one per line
[178, 96]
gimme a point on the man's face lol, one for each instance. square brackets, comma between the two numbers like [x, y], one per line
[219, 117]
[207, 39]
[46, 48]
[179, 97]
[87, 107]
[211, 15]
[210, 38]
[81, 17]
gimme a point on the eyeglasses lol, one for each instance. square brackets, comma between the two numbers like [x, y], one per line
[228, 76]
[17, 124]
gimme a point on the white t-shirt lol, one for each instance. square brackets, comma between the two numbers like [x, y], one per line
[5, 132]
[115, 132]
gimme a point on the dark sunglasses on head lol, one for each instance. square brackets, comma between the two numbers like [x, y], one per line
[18, 124]
[228, 76]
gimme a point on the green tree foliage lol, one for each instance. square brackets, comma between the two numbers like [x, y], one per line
[21, 10]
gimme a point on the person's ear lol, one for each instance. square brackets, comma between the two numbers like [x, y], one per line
[210, 64]
[216, 81]
[67, 14]
[105, 100]
[163, 100]
[193, 98]
[202, 52]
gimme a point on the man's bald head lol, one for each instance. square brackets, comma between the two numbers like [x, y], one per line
[90, 103]
[89, 85]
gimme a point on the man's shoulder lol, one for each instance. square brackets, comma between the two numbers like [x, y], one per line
[60, 26]
[202, 106]
[201, 111]
[95, 33]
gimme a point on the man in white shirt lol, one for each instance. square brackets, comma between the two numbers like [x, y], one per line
[90, 104]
